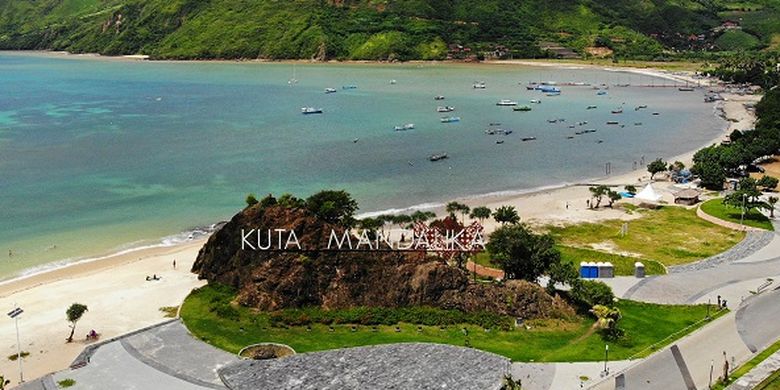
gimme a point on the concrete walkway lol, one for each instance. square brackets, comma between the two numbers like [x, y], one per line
[758, 374]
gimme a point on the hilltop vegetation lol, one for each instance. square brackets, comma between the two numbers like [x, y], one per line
[383, 29]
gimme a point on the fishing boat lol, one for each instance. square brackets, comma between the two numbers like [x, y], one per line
[531, 86]
[553, 94]
[589, 131]
[437, 156]
[330, 90]
[612, 122]
[528, 139]
[392, 82]
[656, 113]
[445, 109]
[479, 85]
[592, 107]
[506, 102]
[495, 123]
[623, 85]
[310, 110]
[505, 132]
[350, 86]
[405, 127]
[438, 97]
[522, 108]
[450, 119]
[490, 131]
[685, 89]
[500, 141]
[639, 107]
[548, 89]
[637, 123]
[536, 101]
[571, 126]
[552, 121]
[617, 111]
[601, 93]
[582, 123]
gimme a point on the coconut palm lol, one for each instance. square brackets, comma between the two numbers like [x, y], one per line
[73, 315]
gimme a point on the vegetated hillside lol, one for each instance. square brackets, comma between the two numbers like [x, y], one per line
[315, 277]
[380, 29]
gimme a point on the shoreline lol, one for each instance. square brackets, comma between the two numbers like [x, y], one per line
[120, 300]
[513, 196]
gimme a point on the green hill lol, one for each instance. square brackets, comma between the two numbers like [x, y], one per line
[382, 29]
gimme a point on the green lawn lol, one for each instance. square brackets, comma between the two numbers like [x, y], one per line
[670, 235]
[771, 383]
[752, 363]
[551, 340]
[754, 218]
[624, 265]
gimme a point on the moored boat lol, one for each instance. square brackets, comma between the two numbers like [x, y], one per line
[408, 126]
[506, 102]
[450, 119]
[528, 139]
[592, 107]
[349, 86]
[438, 97]
[536, 101]
[617, 111]
[437, 156]
[612, 122]
[330, 90]
[522, 108]
[310, 110]
[601, 93]
[445, 109]
[479, 85]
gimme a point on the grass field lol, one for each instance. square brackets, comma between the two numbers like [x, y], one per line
[771, 383]
[754, 218]
[752, 363]
[624, 265]
[669, 235]
[671, 65]
[550, 340]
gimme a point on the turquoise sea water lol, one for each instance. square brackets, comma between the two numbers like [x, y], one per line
[98, 155]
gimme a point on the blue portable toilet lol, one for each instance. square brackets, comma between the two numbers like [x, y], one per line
[583, 269]
[593, 270]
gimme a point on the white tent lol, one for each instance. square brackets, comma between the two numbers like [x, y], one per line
[648, 194]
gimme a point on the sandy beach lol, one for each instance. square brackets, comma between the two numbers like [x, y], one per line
[120, 300]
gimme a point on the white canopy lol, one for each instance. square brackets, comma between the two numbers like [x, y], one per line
[648, 194]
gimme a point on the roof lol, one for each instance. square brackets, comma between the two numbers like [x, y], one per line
[648, 193]
[689, 193]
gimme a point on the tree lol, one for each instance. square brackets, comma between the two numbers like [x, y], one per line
[613, 197]
[291, 202]
[561, 273]
[769, 183]
[598, 192]
[607, 320]
[746, 196]
[250, 200]
[422, 216]
[481, 213]
[772, 201]
[73, 315]
[711, 174]
[457, 207]
[333, 206]
[630, 189]
[522, 254]
[656, 166]
[588, 293]
[506, 214]
[370, 225]
[269, 200]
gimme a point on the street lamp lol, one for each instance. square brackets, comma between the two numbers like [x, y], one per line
[606, 359]
[742, 217]
[14, 314]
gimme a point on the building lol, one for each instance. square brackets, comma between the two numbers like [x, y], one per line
[687, 197]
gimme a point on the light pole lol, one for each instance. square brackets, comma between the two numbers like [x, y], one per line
[606, 359]
[742, 217]
[14, 314]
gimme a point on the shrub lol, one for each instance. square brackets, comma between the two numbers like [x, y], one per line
[590, 293]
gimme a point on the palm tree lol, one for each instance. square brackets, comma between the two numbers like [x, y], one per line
[506, 214]
[73, 315]
[457, 207]
[422, 216]
[481, 213]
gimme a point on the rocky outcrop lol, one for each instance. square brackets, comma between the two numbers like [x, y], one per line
[272, 279]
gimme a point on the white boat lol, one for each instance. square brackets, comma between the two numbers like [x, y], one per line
[392, 82]
[445, 109]
[553, 94]
[310, 110]
[330, 90]
[450, 119]
[405, 127]
[506, 102]
[536, 101]
[438, 97]
[601, 92]
[479, 85]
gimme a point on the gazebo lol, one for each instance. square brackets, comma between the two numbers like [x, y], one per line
[687, 197]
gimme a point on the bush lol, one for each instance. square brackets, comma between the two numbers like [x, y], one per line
[418, 315]
[589, 293]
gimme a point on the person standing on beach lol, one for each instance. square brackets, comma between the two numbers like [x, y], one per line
[174, 263]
